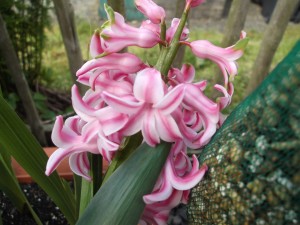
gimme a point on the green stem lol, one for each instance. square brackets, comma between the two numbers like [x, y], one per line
[174, 46]
[163, 31]
[161, 58]
[97, 172]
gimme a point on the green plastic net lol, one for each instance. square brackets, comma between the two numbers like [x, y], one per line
[254, 159]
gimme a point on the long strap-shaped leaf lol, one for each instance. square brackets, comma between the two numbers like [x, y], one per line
[16, 139]
[119, 201]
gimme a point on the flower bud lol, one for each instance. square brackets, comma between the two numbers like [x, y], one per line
[194, 3]
[154, 12]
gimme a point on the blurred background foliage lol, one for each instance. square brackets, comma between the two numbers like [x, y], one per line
[26, 21]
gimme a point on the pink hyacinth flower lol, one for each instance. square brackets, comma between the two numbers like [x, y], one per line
[179, 174]
[185, 76]
[225, 58]
[150, 110]
[116, 34]
[151, 10]
[74, 139]
[173, 186]
[199, 118]
[207, 110]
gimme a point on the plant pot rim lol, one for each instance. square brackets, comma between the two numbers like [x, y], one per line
[63, 169]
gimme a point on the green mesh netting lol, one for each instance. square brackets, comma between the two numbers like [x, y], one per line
[254, 159]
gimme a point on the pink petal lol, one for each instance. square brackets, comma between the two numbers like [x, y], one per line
[126, 62]
[118, 35]
[147, 24]
[167, 127]
[79, 164]
[171, 31]
[169, 203]
[63, 135]
[154, 12]
[188, 73]
[121, 105]
[149, 129]
[194, 3]
[95, 45]
[201, 85]
[182, 163]
[56, 157]
[134, 123]
[162, 194]
[119, 88]
[148, 86]
[111, 121]
[85, 112]
[171, 100]
[188, 181]
[223, 101]
[199, 102]
[177, 147]
[75, 124]
[89, 133]
[106, 144]
[185, 196]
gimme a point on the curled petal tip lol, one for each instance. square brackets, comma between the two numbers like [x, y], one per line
[243, 34]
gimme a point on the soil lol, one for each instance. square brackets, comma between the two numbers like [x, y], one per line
[47, 211]
[50, 214]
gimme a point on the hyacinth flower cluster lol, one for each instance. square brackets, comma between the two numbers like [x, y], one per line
[127, 96]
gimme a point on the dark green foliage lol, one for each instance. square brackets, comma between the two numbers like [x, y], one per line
[25, 21]
[254, 159]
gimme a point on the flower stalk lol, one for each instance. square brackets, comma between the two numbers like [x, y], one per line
[174, 46]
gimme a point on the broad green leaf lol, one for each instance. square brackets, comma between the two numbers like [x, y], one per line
[129, 147]
[17, 141]
[119, 201]
[9, 184]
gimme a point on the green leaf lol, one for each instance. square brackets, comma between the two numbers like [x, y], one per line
[133, 142]
[119, 201]
[87, 190]
[241, 44]
[17, 141]
[9, 184]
